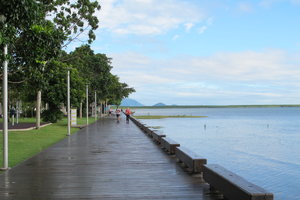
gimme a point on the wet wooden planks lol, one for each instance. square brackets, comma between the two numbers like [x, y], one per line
[106, 160]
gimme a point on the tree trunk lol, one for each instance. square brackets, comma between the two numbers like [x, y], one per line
[80, 111]
[38, 109]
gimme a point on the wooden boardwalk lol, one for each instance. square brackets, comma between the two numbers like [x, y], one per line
[106, 160]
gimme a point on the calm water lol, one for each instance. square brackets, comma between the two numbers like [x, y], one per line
[260, 144]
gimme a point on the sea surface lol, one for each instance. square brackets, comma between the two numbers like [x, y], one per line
[260, 144]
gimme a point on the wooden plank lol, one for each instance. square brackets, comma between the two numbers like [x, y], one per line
[107, 161]
[169, 144]
[191, 159]
[232, 186]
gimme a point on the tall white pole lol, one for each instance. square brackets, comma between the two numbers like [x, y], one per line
[5, 105]
[17, 110]
[69, 116]
[5, 112]
[95, 106]
[87, 104]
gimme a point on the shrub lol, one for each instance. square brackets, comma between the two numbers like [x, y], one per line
[52, 115]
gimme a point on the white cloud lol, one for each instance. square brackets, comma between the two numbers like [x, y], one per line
[130, 61]
[227, 93]
[245, 7]
[210, 21]
[269, 65]
[147, 17]
[269, 3]
[264, 76]
[248, 66]
[188, 26]
[202, 29]
[175, 37]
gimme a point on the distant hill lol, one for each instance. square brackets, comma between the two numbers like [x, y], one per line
[159, 104]
[130, 102]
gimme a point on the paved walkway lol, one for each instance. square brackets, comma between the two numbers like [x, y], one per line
[106, 160]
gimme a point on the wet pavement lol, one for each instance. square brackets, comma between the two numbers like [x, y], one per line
[106, 160]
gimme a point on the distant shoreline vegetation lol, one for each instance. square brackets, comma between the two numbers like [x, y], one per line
[166, 116]
[211, 106]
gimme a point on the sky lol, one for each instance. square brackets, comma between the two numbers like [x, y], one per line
[204, 52]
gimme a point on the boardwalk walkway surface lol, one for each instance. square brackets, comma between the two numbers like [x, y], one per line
[106, 160]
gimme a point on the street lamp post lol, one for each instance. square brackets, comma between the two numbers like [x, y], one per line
[95, 105]
[87, 104]
[5, 105]
[68, 110]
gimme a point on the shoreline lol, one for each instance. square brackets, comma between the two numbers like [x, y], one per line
[212, 106]
[166, 116]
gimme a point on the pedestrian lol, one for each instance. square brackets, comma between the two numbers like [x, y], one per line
[118, 114]
[12, 112]
[127, 113]
[110, 112]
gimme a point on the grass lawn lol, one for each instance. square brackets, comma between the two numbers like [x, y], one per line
[166, 116]
[25, 144]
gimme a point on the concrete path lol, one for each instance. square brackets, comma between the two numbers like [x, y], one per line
[106, 160]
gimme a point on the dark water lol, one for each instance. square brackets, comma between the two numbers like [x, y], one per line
[260, 144]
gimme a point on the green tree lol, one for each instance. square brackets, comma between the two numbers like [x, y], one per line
[96, 70]
[56, 92]
[35, 47]
[42, 39]
[74, 17]
[117, 90]
[19, 16]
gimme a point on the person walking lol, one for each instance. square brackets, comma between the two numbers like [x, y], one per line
[118, 114]
[127, 113]
[110, 111]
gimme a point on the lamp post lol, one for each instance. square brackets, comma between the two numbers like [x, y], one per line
[5, 105]
[68, 110]
[87, 104]
[95, 105]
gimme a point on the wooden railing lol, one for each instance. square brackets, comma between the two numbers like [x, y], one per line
[231, 185]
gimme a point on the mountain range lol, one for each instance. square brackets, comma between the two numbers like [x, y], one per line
[134, 103]
[130, 102]
[159, 104]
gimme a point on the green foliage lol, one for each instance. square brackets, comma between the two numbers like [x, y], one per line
[118, 91]
[55, 94]
[74, 17]
[36, 32]
[33, 49]
[19, 16]
[56, 91]
[95, 71]
[52, 115]
[34, 40]
[70, 17]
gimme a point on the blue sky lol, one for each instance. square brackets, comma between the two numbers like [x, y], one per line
[204, 52]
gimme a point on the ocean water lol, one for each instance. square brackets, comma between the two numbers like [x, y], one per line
[260, 144]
